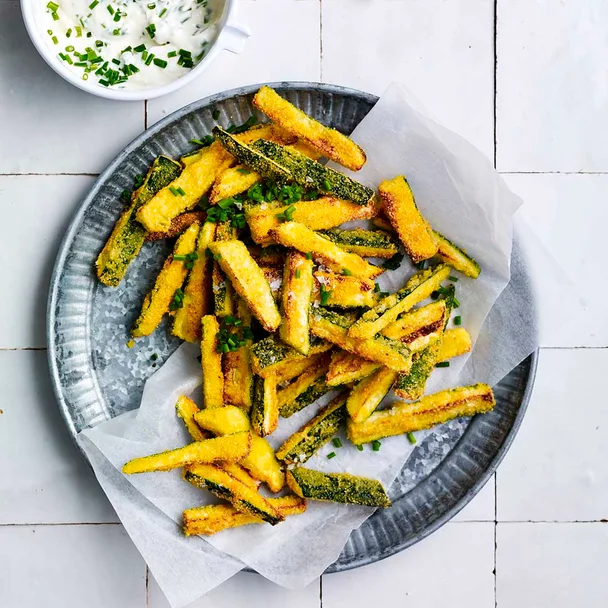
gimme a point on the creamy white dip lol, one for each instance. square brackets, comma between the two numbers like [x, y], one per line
[129, 44]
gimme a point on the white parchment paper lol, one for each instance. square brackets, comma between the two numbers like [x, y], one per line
[463, 197]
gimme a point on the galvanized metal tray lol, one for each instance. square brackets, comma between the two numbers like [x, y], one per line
[95, 377]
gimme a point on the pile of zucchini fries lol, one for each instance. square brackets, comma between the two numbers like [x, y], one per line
[286, 309]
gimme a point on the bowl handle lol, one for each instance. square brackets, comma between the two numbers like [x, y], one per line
[235, 37]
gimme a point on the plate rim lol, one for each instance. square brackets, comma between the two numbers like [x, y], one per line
[76, 221]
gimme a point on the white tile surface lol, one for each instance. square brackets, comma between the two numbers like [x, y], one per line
[442, 51]
[568, 214]
[284, 46]
[556, 469]
[43, 478]
[556, 565]
[46, 124]
[482, 507]
[40, 209]
[552, 85]
[245, 589]
[451, 567]
[70, 567]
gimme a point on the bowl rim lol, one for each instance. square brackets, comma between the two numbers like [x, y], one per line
[226, 23]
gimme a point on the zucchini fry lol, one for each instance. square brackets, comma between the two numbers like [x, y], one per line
[196, 302]
[212, 519]
[420, 327]
[274, 276]
[242, 497]
[334, 328]
[456, 257]
[341, 291]
[315, 391]
[170, 278]
[368, 394]
[310, 173]
[413, 230]
[226, 420]
[224, 299]
[248, 281]
[238, 377]
[231, 448]
[273, 256]
[295, 300]
[271, 355]
[298, 236]
[290, 399]
[156, 215]
[346, 368]
[303, 444]
[429, 411]
[128, 235]
[178, 225]
[331, 143]
[382, 222]
[337, 487]
[265, 408]
[233, 181]
[211, 362]
[366, 243]
[455, 342]
[319, 214]
[418, 288]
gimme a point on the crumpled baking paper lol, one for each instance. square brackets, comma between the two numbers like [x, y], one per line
[462, 196]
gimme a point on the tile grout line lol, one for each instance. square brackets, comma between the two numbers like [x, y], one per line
[495, 77]
[147, 586]
[495, 50]
[320, 40]
[145, 114]
[321, 591]
[22, 348]
[495, 534]
[60, 524]
[49, 174]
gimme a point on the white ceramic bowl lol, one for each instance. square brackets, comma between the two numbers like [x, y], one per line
[230, 36]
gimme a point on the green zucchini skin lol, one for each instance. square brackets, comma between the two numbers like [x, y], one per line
[128, 235]
[308, 172]
[359, 239]
[270, 351]
[251, 157]
[337, 487]
[456, 257]
[316, 390]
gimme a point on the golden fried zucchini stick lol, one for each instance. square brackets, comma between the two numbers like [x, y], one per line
[170, 278]
[346, 368]
[212, 519]
[265, 408]
[456, 257]
[178, 225]
[413, 230]
[455, 342]
[366, 243]
[224, 299]
[337, 487]
[231, 448]
[341, 291]
[298, 236]
[431, 410]
[329, 142]
[211, 363]
[367, 395]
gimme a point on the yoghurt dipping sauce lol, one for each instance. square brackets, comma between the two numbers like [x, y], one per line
[129, 44]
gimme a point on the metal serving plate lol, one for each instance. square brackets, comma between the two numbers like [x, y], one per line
[96, 377]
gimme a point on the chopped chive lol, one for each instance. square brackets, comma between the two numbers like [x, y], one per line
[116, 32]
[360, 448]
[93, 4]
[144, 55]
[162, 13]
[376, 287]
[215, 114]
[55, 16]
[151, 6]
[243, 171]
[154, 356]
[117, 16]
[52, 6]
[394, 262]
[149, 59]
[336, 441]
[49, 32]
[185, 53]
[161, 63]
[298, 273]
[110, 9]
[180, 258]
[172, 54]
[411, 438]
[308, 255]
[458, 320]
[85, 76]
[181, 191]
[69, 49]
[346, 272]
[443, 364]
[173, 191]
[376, 445]
[151, 29]
[140, 48]
[453, 279]
[134, 69]
[68, 33]
[125, 196]
[326, 185]
[325, 293]
[331, 455]
[54, 39]
[98, 43]
[78, 31]
[115, 61]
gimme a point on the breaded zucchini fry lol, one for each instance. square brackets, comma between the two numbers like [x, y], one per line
[248, 281]
[273, 256]
[418, 288]
[337, 487]
[296, 299]
[455, 342]
[226, 420]
[411, 385]
[233, 181]
[413, 230]
[225, 486]
[274, 276]
[196, 301]
[156, 215]
[367, 395]
[224, 298]
[346, 368]
[382, 222]
[211, 362]
[298, 236]
[341, 291]
[271, 355]
[303, 148]
[366, 243]
[456, 257]
[288, 397]
[423, 414]
[334, 328]
[308, 172]
[265, 408]
[128, 235]
[329, 142]
[178, 225]
[170, 278]
[238, 376]
[324, 212]
[420, 321]
[298, 448]
[232, 448]
[306, 397]
[211, 519]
